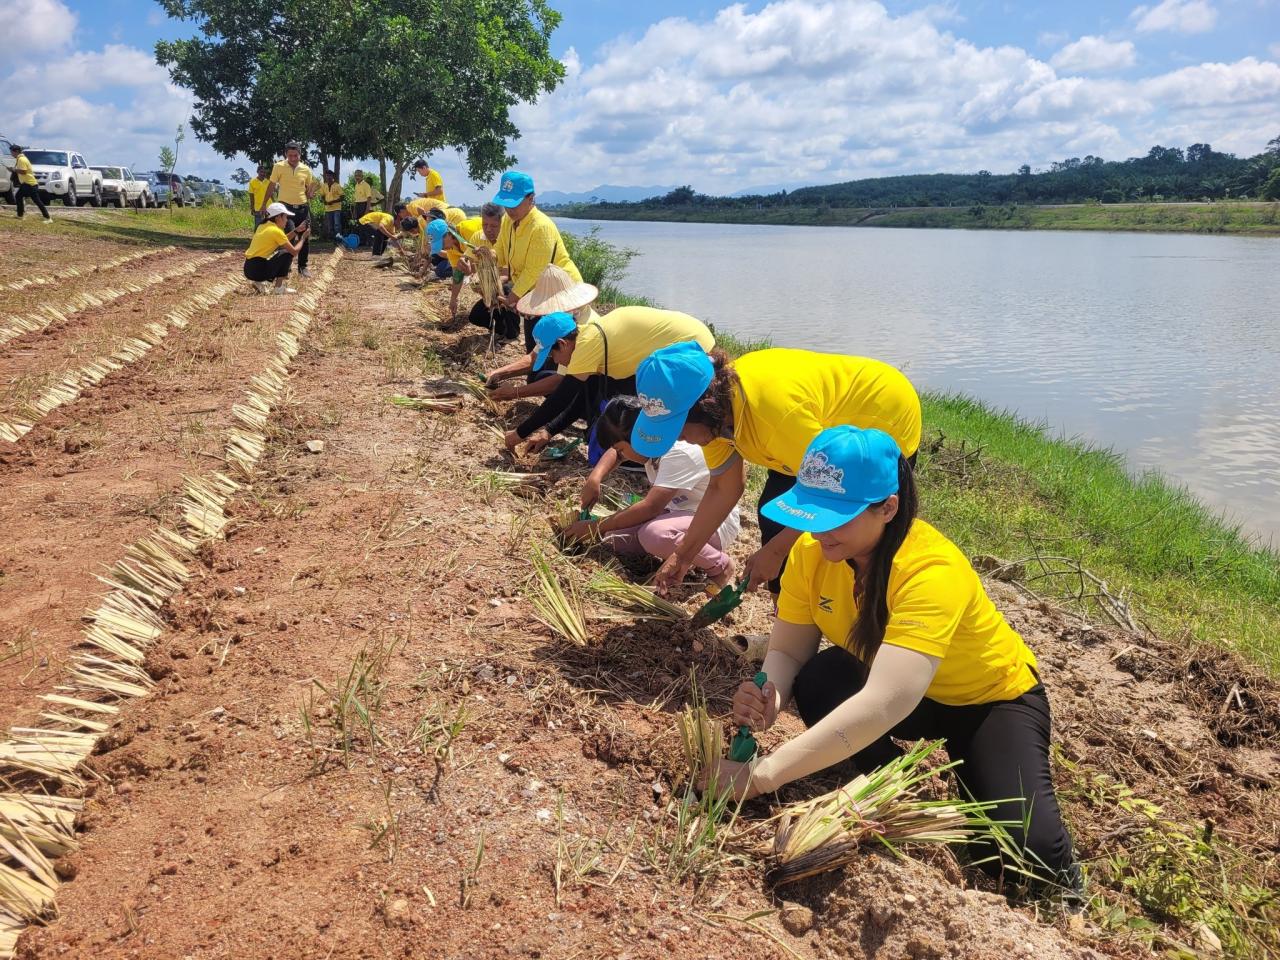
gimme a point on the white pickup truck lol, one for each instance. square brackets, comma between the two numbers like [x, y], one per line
[121, 187]
[64, 174]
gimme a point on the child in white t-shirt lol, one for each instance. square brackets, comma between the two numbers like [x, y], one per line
[655, 525]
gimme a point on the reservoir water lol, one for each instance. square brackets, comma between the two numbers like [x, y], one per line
[1165, 347]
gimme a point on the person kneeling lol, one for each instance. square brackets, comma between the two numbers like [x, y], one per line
[270, 253]
[655, 525]
[919, 652]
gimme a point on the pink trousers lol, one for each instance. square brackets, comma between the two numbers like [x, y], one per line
[661, 536]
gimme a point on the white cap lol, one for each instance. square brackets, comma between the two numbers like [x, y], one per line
[275, 209]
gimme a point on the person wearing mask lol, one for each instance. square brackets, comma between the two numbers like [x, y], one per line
[433, 183]
[332, 195]
[271, 252]
[528, 241]
[763, 408]
[26, 186]
[654, 525]
[599, 360]
[365, 196]
[918, 651]
[258, 194]
[293, 185]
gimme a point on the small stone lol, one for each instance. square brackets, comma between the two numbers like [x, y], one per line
[797, 920]
[910, 899]
[314, 446]
[472, 609]
[1205, 938]
[396, 911]
[495, 602]
[543, 815]
[239, 591]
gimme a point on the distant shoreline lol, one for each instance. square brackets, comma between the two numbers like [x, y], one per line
[1242, 218]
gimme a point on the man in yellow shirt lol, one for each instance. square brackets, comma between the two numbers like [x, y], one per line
[26, 187]
[507, 321]
[528, 241]
[332, 195]
[434, 183]
[365, 196]
[293, 185]
[258, 187]
[379, 227]
[422, 206]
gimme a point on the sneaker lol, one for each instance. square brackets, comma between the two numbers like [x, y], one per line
[281, 291]
[261, 286]
[305, 273]
[47, 220]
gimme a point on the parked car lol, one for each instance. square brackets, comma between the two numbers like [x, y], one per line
[158, 185]
[165, 184]
[121, 187]
[64, 174]
[6, 162]
[210, 194]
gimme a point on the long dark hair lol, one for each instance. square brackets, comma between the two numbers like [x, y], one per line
[715, 407]
[617, 420]
[872, 588]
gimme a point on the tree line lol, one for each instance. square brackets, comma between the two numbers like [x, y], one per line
[1197, 173]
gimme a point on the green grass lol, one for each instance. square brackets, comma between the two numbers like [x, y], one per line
[1186, 571]
[205, 228]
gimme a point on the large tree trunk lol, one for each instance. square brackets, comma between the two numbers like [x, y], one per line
[382, 184]
[324, 161]
[397, 182]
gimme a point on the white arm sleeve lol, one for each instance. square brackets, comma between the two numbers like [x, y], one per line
[896, 684]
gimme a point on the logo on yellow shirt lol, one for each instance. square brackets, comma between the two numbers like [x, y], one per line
[824, 604]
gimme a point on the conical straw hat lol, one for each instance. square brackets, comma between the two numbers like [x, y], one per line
[556, 291]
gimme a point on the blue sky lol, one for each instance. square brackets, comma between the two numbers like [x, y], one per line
[728, 97]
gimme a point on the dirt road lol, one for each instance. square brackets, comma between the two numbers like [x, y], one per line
[358, 739]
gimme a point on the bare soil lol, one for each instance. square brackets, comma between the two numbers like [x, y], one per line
[363, 742]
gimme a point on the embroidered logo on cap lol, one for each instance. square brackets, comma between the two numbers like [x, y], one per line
[653, 406]
[794, 511]
[821, 474]
[508, 186]
[650, 438]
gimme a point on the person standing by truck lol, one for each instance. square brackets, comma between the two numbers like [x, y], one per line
[293, 184]
[26, 184]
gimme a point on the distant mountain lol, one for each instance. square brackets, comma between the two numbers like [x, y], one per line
[767, 189]
[606, 192]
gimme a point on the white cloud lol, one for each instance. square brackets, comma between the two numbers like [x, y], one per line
[1244, 82]
[33, 27]
[1180, 16]
[1094, 55]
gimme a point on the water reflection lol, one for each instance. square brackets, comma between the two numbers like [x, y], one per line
[1166, 347]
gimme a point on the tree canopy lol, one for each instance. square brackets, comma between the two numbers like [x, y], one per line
[384, 79]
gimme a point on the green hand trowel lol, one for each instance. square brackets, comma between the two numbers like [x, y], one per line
[563, 450]
[742, 747]
[721, 605]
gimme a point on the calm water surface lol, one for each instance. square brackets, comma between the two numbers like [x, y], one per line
[1165, 347]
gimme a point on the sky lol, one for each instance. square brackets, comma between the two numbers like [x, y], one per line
[728, 97]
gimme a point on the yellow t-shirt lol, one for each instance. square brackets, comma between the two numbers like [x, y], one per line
[331, 194]
[477, 237]
[257, 193]
[454, 216]
[788, 397]
[267, 239]
[464, 228]
[364, 192]
[527, 249]
[633, 333]
[22, 167]
[293, 182]
[421, 206]
[378, 219]
[937, 606]
[434, 180]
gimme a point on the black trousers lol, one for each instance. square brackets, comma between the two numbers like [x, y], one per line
[506, 321]
[26, 191]
[300, 213]
[259, 269]
[574, 399]
[1003, 748]
[377, 241]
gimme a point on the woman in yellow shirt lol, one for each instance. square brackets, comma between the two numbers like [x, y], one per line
[919, 650]
[763, 408]
[271, 253]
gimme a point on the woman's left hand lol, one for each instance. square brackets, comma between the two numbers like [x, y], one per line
[730, 777]
[579, 530]
[505, 392]
[763, 566]
[512, 440]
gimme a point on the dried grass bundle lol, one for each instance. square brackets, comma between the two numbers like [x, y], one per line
[557, 602]
[487, 277]
[434, 404]
[703, 738]
[632, 596]
[826, 833]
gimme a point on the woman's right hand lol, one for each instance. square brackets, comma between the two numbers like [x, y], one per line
[755, 707]
[671, 573]
[590, 493]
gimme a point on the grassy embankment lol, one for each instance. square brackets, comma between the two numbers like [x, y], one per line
[1061, 508]
[1246, 218]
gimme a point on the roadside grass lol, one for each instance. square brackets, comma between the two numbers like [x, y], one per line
[206, 228]
[1027, 497]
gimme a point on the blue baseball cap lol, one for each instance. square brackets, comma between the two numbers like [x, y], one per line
[515, 187]
[549, 329]
[844, 471]
[668, 383]
[436, 230]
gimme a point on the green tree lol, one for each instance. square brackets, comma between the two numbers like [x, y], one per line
[241, 176]
[387, 79]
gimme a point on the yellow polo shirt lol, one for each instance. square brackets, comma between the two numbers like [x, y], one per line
[257, 193]
[528, 248]
[464, 229]
[421, 206]
[293, 182]
[477, 238]
[22, 167]
[331, 194]
[267, 239]
[937, 606]
[434, 180]
[633, 333]
[378, 219]
[788, 397]
[454, 216]
[364, 192]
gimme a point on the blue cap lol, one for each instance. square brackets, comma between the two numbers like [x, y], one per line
[549, 329]
[515, 187]
[844, 471]
[668, 383]
[436, 230]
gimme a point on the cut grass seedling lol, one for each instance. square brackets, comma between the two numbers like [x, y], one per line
[632, 596]
[556, 601]
[472, 875]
